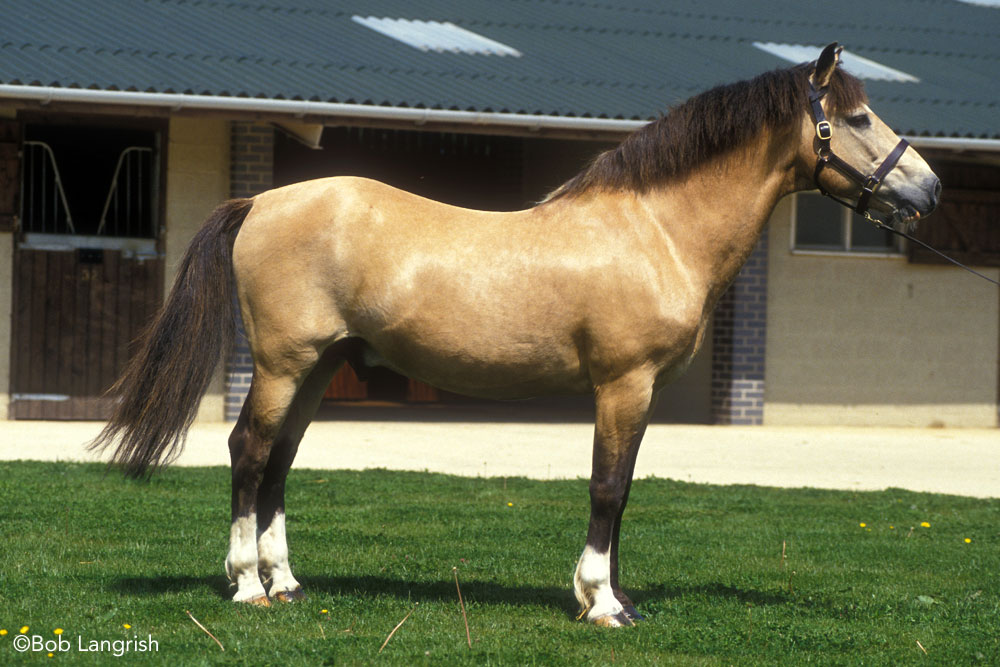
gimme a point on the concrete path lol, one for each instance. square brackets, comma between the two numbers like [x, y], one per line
[956, 461]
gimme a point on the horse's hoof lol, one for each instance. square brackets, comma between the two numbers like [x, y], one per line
[290, 596]
[259, 601]
[617, 620]
[633, 614]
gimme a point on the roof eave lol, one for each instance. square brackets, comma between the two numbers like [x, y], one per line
[299, 109]
[296, 109]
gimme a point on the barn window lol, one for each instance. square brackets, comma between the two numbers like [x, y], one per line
[89, 182]
[822, 225]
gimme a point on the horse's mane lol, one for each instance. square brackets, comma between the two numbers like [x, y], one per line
[707, 126]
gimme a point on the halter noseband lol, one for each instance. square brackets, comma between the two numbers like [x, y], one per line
[826, 157]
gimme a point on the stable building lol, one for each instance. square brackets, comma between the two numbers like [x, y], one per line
[121, 131]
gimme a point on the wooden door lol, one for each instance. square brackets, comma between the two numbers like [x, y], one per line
[76, 311]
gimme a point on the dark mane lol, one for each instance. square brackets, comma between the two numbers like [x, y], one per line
[707, 126]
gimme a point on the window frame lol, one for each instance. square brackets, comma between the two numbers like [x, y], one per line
[898, 251]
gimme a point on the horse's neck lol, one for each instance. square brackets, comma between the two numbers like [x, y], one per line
[716, 216]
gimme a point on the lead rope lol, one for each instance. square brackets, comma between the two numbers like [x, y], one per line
[881, 225]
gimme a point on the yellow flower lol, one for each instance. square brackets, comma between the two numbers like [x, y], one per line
[892, 528]
[3, 632]
[924, 524]
[863, 524]
[57, 631]
[510, 504]
[126, 626]
[323, 611]
[968, 540]
[24, 629]
[50, 655]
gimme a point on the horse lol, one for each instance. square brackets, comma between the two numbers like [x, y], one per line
[605, 288]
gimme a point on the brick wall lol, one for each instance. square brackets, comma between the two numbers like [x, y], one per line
[738, 344]
[251, 172]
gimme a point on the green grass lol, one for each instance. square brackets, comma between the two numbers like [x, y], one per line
[89, 552]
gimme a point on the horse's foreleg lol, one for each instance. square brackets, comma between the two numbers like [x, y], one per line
[627, 605]
[272, 547]
[622, 414]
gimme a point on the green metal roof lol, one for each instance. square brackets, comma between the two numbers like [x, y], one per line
[627, 59]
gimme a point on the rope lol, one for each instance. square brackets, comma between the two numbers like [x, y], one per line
[881, 225]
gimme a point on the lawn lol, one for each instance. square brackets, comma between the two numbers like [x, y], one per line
[724, 575]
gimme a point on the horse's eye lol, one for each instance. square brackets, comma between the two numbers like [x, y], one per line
[860, 121]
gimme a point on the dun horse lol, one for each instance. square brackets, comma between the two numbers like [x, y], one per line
[604, 288]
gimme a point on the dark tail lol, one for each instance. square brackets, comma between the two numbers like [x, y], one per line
[164, 381]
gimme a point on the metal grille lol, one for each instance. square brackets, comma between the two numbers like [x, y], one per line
[127, 207]
[43, 198]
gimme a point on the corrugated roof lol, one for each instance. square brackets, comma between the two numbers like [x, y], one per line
[626, 59]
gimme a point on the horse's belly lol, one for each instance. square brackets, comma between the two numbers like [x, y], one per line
[501, 367]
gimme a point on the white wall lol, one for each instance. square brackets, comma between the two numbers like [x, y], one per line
[197, 182]
[877, 341]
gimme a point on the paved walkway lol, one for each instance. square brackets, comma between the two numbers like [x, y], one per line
[955, 461]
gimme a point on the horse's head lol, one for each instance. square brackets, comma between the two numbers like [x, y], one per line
[851, 155]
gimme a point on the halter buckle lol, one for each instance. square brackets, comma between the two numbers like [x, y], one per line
[824, 130]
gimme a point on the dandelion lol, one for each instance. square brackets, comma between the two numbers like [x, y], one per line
[924, 524]
[126, 626]
[3, 632]
[892, 528]
[50, 655]
[968, 540]
[24, 629]
[863, 524]
[57, 631]
[510, 504]
[323, 611]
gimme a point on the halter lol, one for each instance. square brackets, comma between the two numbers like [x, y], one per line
[826, 157]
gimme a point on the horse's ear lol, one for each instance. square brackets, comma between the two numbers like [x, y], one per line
[826, 64]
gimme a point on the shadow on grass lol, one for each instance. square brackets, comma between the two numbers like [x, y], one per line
[561, 599]
[483, 592]
[444, 590]
[715, 590]
[143, 586]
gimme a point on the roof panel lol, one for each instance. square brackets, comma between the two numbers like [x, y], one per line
[628, 58]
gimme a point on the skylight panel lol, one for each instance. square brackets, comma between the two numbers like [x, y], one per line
[861, 67]
[436, 36]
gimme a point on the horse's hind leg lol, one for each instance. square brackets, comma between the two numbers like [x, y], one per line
[623, 408]
[272, 548]
[258, 428]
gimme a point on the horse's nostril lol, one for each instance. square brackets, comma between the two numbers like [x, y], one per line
[936, 197]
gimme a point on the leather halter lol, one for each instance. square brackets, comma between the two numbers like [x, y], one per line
[827, 158]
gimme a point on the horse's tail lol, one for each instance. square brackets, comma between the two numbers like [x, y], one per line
[159, 392]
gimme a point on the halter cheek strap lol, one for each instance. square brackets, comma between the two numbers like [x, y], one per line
[827, 158]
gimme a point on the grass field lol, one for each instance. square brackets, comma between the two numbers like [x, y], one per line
[106, 559]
